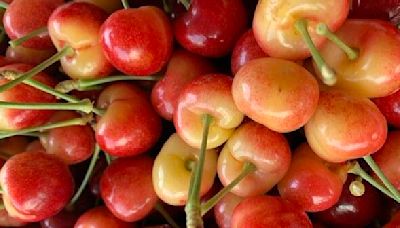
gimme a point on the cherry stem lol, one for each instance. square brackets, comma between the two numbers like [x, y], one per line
[167, 6]
[85, 106]
[193, 206]
[3, 5]
[323, 30]
[382, 176]
[76, 121]
[11, 75]
[125, 3]
[185, 3]
[166, 215]
[108, 158]
[85, 181]
[16, 42]
[357, 170]
[37, 69]
[247, 169]
[327, 74]
[82, 84]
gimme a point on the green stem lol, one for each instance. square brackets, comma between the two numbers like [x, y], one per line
[323, 30]
[77, 121]
[357, 170]
[125, 3]
[108, 158]
[193, 206]
[328, 75]
[185, 3]
[85, 106]
[167, 6]
[86, 178]
[247, 169]
[11, 75]
[3, 5]
[81, 84]
[19, 41]
[382, 176]
[166, 215]
[37, 69]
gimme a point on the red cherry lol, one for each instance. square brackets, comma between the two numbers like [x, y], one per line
[394, 222]
[268, 211]
[127, 189]
[137, 41]
[35, 185]
[211, 27]
[223, 210]
[390, 107]
[100, 217]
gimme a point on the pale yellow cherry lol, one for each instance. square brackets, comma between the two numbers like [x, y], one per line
[172, 170]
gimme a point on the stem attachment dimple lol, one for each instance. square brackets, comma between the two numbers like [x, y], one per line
[19, 41]
[193, 206]
[247, 169]
[328, 75]
[323, 30]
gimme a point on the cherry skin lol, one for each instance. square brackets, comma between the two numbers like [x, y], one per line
[130, 125]
[268, 211]
[388, 158]
[7, 221]
[100, 217]
[57, 141]
[137, 41]
[202, 96]
[36, 14]
[64, 219]
[223, 210]
[181, 69]
[374, 73]
[211, 27]
[307, 169]
[353, 211]
[13, 145]
[21, 54]
[345, 127]
[245, 50]
[277, 93]
[13, 119]
[390, 108]
[35, 185]
[127, 189]
[268, 150]
[65, 29]
[394, 222]
[274, 29]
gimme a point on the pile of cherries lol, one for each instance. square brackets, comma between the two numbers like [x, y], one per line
[201, 113]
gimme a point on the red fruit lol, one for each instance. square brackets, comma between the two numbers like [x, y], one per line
[181, 69]
[64, 219]
[57, 141]
[390, 107]
[223, 210]
[126, 188]
[268, 211]
[13, 119]
[394, 222]
[307, 169]
[35, 186]
[7, 221]
[130, 125]
[137, 41]
[35, 13]
[211, 27]
[245, 50]
[21, 54]
[100, 217]
[13, 145]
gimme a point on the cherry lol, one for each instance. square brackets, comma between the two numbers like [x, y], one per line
[223, 211]
[64, 219]
[21, 54]
[7, 221]
[353, 211]
[211, 27]
[390, 108]
[394, 222]
[181, 69]
[13, 145]
[35, 186]
[268, 211]
[307, 169]
[126, 188]
[100, 217]
[17, 26]
[143, 50]
[345, 127]
[277, 93]
[245, 50]
[130, 125]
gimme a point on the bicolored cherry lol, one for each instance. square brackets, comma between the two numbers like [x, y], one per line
[173, 168]
[207, 94]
